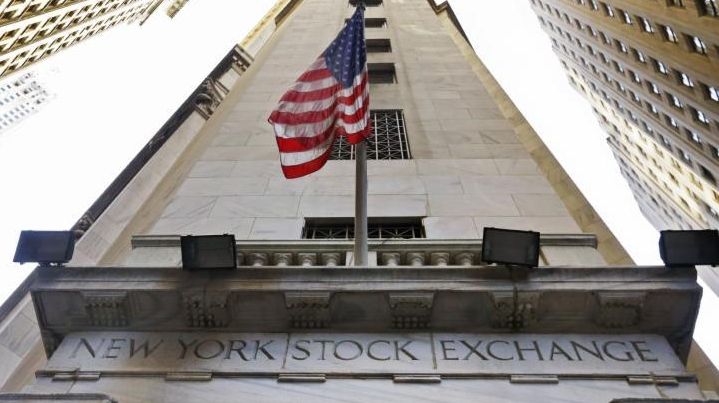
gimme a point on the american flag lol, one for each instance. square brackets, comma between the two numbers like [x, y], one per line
[330, 99]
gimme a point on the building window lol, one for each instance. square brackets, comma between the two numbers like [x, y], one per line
[608, 10]
[666, 142]
[622, 47]
[709, 7]
[661, 67]
[675, 3]
[699, 116]
[715, 151]
[653, 88]
[685, 156]
[707, 174]
[381, 73]
[711, 93]
[671, 122]
[639, 56]
[626, 17]
[685, 80]
[378, 46]
[368, 3]
[635, 77]
[668, 33]
[375, 22]
[676, 102]
[646, 25]
[697, 44]
[388, 141]
[377, 228]
[694, 137]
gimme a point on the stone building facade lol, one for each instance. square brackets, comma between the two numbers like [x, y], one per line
[649, 70]
[425, 320]
[31, 30]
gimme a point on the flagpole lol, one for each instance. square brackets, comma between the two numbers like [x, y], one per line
[361, 249]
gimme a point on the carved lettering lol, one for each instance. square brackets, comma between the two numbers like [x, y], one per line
[305, 351]
[372, 355]
[261, 347]
[403, 349]
[446, 348]
[642, 350]
[535, 348]
[556, 350]
[144, 347]
[357, 347]
[596, 352]
[324, 346]
[185, 347]
[473, 350]
[236, 346]
[90, 349]
[214, 348]
[495, 356]
[113, 348]
[627, 354]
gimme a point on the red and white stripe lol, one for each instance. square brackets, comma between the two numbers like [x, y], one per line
[313, 113]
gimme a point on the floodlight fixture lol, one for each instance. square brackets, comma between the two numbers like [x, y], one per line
[689, 248]
[208, 252]
[45, 247]
[512, 247]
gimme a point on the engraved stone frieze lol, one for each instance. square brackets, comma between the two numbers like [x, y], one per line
[619, 309]
[411, 310]
[514, 309]
[206, 309]
[107, 309]
[308, 310]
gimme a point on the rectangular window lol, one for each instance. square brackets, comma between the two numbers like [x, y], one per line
[388, 141]
[707, 174]
[668, 33]
[660, 67]
[697, 44]
[711, 92]
[378, 228]
[381, 73]
[684, 79]
[694, 137]
[375, 22]
[646, 25]
[378, 46]
[709, 7]
[368, 3]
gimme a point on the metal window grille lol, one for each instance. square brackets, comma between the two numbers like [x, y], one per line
[378, 228]
[388, 141]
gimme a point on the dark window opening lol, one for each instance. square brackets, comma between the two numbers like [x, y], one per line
[378, 46]
[707, 174]
[373, 22]
[377, 228]
[368, 3]
[381, 73]
[388, 140]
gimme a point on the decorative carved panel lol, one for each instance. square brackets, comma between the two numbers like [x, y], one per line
[308, 310]
[514, 309]
[619, 310]
[107, 308]
[206, 309]
[411, 310]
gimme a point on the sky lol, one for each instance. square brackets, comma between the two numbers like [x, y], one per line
[115, 90]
